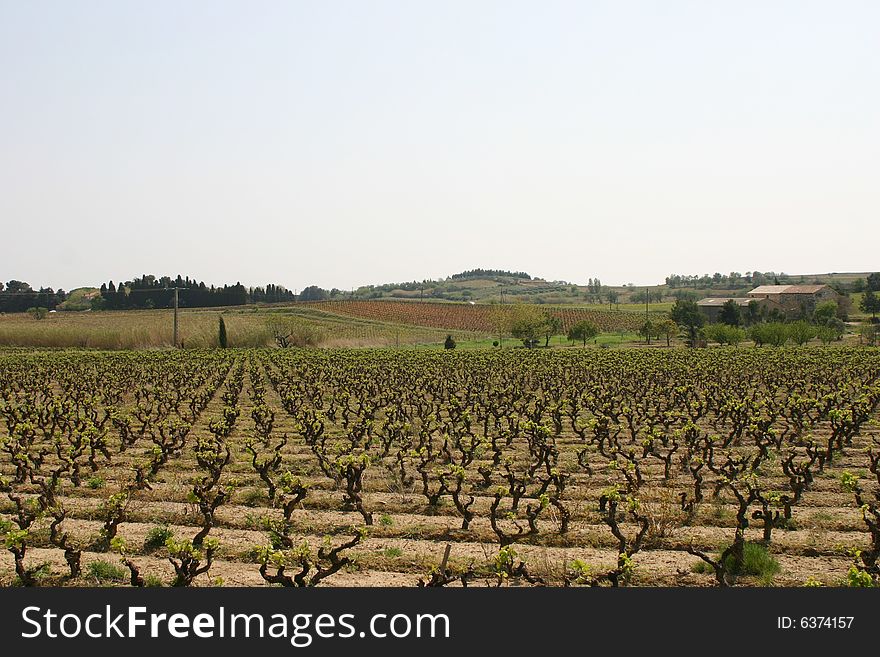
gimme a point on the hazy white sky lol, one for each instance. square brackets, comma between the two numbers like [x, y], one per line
[344, 143]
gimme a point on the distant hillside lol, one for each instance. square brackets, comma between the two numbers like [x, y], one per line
[80, 298]
[478, 285]
[486, 286]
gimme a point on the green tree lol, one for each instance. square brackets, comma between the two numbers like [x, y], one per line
[15, 286]
[648, 330]
[873, 282]
[611, 297]
[687, 314]
[735, 335]
[760, 334]
[552, 326]
[870, 303]
[526, 323]
[583, 331]
[666, 328]
[778, 333]
[730, 313]
[222, 335]
[715, 333]
[825, 313]
[313, 293]
[753, 312]
[830, 332]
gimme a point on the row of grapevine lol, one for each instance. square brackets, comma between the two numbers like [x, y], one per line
[509, 450]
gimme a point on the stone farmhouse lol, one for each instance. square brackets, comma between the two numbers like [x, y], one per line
[712, 306]
[795, 300]
[790, 301]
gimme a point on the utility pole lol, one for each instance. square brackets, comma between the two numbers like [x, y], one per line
[176, 306]
[500, 330]
[176, 340]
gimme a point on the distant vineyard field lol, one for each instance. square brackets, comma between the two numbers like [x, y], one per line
[468, 317]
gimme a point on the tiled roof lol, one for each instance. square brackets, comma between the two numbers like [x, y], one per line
[786, 289]
[720, 301]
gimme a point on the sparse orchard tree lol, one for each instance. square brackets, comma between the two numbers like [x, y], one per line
[583, 331]
[527, 323]
[611, 297]
[667, 329]
[801, 332]
[552, 326]
[648, 330]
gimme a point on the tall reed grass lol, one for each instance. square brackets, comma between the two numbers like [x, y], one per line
[252, 327]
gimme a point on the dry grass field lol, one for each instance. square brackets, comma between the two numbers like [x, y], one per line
[250, 327]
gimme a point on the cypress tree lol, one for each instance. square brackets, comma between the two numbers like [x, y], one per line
[222, 336]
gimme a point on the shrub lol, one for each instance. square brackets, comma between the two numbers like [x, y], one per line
[724, 334]
[773, 333]
[157, 537]
[449, 343]
[828, 334]
[104, 571]
[293, 333]
[757, 561]
[153, 582]
[38, 313]
[254, 497]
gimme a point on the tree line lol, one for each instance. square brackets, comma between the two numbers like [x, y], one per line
[148, 291]
[735, 280]
[490, 273]
[18, 297]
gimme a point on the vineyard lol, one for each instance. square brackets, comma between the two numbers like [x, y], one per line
[469, 317]
[371, 467]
